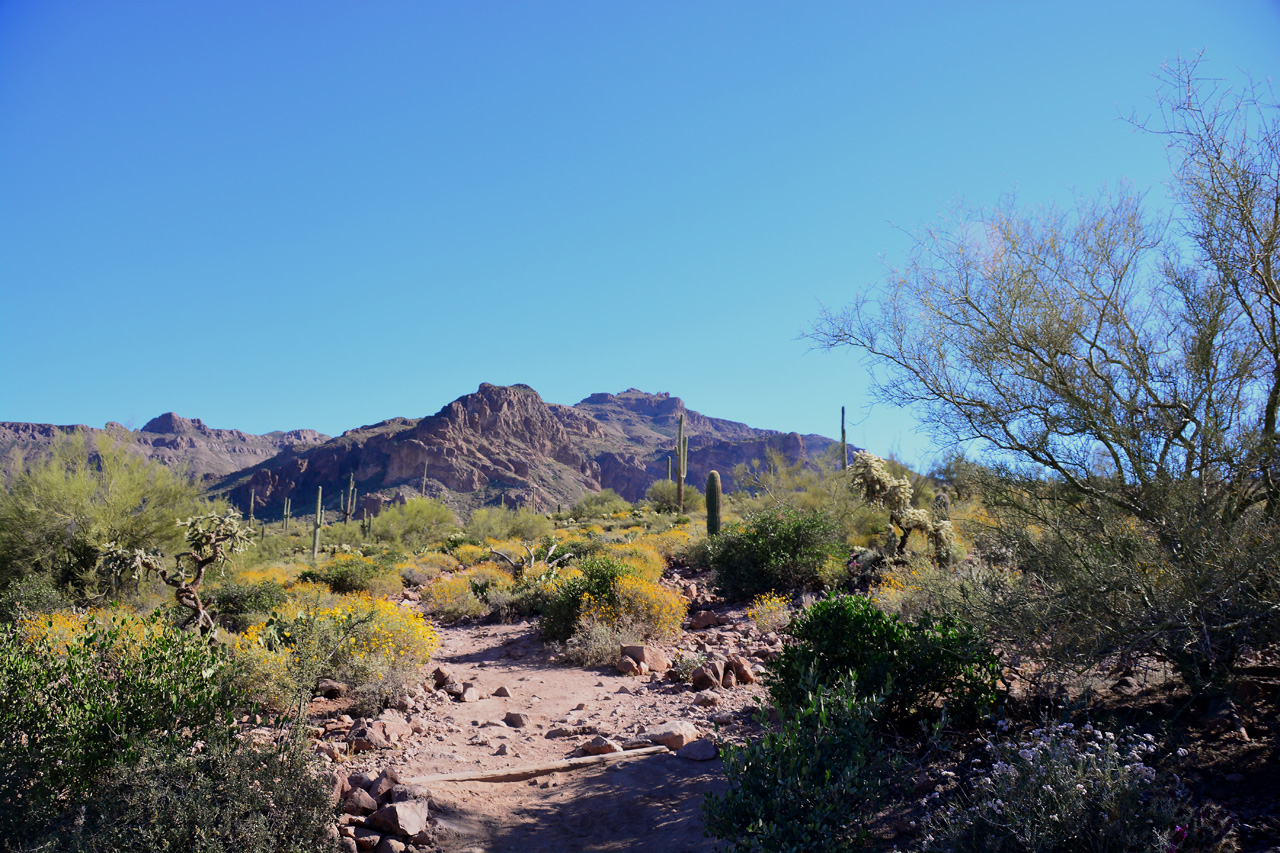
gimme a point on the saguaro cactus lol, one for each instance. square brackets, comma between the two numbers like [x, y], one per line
[252, 497]
[315, 532]
[682, 463]
[713, 503]
[844, 445]
[349, 500]
[284, 522]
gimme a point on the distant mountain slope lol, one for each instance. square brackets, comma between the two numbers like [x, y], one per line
[206, 453]
[505, 442]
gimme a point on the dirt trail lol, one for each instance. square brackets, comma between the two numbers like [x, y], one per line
[631, 803]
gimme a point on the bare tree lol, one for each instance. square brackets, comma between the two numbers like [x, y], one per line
[1119, 368]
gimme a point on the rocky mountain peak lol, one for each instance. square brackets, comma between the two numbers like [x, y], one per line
[171, 423]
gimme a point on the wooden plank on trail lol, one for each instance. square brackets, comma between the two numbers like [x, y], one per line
[520, 773]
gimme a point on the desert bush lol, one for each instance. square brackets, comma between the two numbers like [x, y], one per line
[810, 785]
[661, 496]
[593, 581]
[683, 666]
[30, 596]
[234, 603]
[60, 514]
[415, 523]
[350, 573]
[646, 560]
[453, 597]
[228, 796]
[600, 504]
[1060, 788]
[505, 523]
[773, 550]
[650, 610]
[82, 696]
[918, 669]
[770, 612]
[359, 640]
[668, 543]
[597, 643]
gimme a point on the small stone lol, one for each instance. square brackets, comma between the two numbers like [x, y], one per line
[702, 619]
[627, 665]
[359, 802]
[382, 785]
[698, 750]
[503, 691]
[706, 699]
[638, 743]
[710, 674]
[330, 689]
[729, 681]
[390, 845]
[441, 677]
[366, 839]
[601, 745]
[648, 657]
[403, 793]
[347, 845]
[742, 669]
[502, 750]
[517, 720]
[470, 694]
[624, 690]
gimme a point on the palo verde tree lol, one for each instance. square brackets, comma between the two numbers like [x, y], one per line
[1122, 371]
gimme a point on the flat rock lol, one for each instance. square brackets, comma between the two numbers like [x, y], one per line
[517, 720]
[707, 699]
[601, 745]
[407, 818]
[648, 657]
[673, 734]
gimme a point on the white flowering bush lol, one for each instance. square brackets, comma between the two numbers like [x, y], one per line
[1062, 788]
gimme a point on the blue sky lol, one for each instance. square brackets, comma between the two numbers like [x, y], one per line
[273, 215]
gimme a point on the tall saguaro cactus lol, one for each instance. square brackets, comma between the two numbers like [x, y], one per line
[682, 463]
[844, 445]
[713, 503]
[315, 533]
[284, 522]
[349, 501]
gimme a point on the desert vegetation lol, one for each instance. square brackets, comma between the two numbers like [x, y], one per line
[949, 647]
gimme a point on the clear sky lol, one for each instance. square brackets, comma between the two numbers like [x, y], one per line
[272, 215]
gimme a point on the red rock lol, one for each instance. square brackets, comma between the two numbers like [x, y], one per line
[407, 818]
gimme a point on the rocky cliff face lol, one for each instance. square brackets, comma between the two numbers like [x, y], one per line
[204, 452]
[507, 443]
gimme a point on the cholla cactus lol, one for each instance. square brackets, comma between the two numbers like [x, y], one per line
[871, 480]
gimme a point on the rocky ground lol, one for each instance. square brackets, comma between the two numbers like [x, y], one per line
[503, 747]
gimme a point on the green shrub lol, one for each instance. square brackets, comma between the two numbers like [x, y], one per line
[30, 596]
[809, 786]
[595, 580]
[415, 523]
[346, 573]
[599, 505]
[775, 550]
[230, 796]
[918, 669]
[234, 602]
[661, 496]
[1062, 789]
[79, 701]
[503, 523]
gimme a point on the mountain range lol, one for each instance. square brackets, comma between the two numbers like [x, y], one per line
[498, 444]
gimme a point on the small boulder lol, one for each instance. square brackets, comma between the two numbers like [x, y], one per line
[407, 818]
[698, 750]
[601, 745]
[504, 691]
[674, 734]
[730, 680]
[742, 669]
[441, 677]
[710, 674]
[469, 694]
[366, 839]
[390, 845]
[707, 699]
[382, 785]
[702, 619]
[517, 720]
[651, 657]
[627, 665]
[403, 793]
[330, 689]
[358, 802]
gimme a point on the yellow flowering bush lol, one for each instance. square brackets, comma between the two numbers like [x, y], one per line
[469, 555]
[452, 597]
[358, 639]
[654, 610]
[770, 612]
[645, 559]
[668, 543]
[56, 631]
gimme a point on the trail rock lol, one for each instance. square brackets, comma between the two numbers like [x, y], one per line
[366, 839]
[359, 802]
[517, 720]
[707, 699]
[504, 691]
[441, 677]
[702, 619]
[390, 845]
[403, 793]
[601, 745]
[469, 694]
[710, 674]
[742, 669]
[674, 734]
[330, 689]
[628, 665]
[407, 818]
[382, 785]
[394, 726]
[698, 750]
[650, 657]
